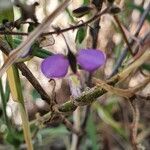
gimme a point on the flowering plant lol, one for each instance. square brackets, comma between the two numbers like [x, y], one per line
[55, 107]
[56, 66]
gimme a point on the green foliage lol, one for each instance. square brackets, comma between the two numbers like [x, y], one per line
[4, 103]
[70, 15]
[31, 27]
[7, 91]
[107, 118]
[92, 133]
[133, 6]
[10, 135]
[81, 34]
[15, 138]
[35, 94]
[146, 66]
[39, 52]
[7, 13]
[86, 2]
[54, 132]
[35, 49]
[48, 135]
[117, 50]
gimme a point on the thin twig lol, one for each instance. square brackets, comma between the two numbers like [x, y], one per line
[145, 38]
[123, 34]
[70, 126]
[94, 30]
[97, 16]
[41, 120]
[141, 136]
[125, 51]
[135, 114]
[28, 74]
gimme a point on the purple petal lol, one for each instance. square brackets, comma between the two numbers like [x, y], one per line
[55, 66]
[91, 59]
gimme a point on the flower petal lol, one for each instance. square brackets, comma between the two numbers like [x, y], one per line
[91, 59]
[55, 66]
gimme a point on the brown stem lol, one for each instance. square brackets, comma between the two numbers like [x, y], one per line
[28, 74]
[123, 34]
[135, 113]
[97, 16]
[70, 126]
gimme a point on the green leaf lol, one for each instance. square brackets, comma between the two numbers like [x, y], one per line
[91, 131]
[86, 2]
[35, 49]
[9, 14]
[6, 13]
[39, 52]
[112, 104]
[47, 135]
[31, 27]
[35, 94]
[108, 119]
[81, 34]
[7, 91]
[15, 139]
[16, 42]
[146, 67]
[4, 103]
[70, 16]
[54, 132]
[117, 50]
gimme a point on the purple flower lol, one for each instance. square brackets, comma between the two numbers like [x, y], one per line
[56, 66]
[90, 59]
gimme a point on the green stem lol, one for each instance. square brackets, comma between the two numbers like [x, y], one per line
[23, 113]
[4, 103]
[7, 91]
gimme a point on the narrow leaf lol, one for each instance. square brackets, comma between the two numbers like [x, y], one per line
[91, 131]
[9, 15]
[108, 119]
[81, 34]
